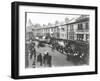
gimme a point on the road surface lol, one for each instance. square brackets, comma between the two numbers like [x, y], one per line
[58, 59]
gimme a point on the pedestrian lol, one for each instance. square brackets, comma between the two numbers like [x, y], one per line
[34, 64]
[34, 57]
[31, 48]
[34, 51]
[52, 48]
[39, 59]
[38, 46]
[49, 59]
[44, 59]
[26, 56]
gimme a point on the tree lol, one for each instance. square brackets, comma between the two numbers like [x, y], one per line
[56, 22]
[29, 23]
[37, 25]
[66, 20]
[49, 24]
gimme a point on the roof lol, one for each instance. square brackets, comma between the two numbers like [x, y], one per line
[72, 21]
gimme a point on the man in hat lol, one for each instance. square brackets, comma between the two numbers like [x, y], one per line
[49, 59]
[39, 59]
[45, 58]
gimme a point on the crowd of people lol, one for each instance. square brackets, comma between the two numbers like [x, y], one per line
[80, 54]
[76, 55]
[39, 59]
[44, 59]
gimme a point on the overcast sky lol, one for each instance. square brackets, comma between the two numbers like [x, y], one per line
[42, 18]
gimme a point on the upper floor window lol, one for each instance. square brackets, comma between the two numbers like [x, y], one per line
[51, 29]
[80, 26]
[87, 25]
[71, 27]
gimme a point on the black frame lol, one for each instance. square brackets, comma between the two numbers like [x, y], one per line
[15, 39]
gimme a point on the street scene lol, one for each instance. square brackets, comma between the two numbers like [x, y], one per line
[56, 40]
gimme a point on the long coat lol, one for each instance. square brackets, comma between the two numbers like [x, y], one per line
[39, 58]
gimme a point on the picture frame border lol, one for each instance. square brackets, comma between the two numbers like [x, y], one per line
[15, 39]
